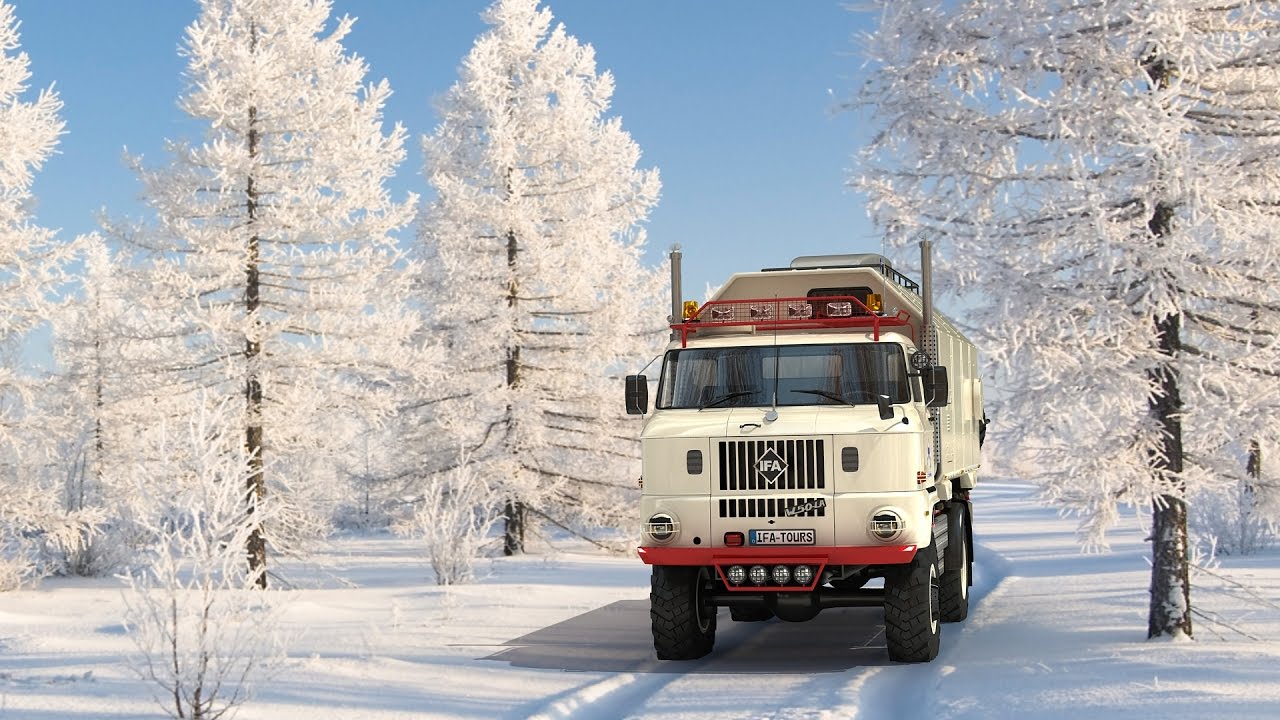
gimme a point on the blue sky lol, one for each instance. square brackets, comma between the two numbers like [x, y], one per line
[734, 102]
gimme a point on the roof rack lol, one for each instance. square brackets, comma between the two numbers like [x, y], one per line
[788, 314]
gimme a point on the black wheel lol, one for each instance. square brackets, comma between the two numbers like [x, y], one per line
[684, 628]
[749, 614]
[953, 588]
[912, 625]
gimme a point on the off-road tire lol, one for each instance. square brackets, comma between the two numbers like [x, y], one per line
[953, 589]
[683, 627]
[912, 623]
[749, 614]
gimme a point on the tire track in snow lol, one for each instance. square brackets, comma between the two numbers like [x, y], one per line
[840, 682]
[902, 691]
[618, 694]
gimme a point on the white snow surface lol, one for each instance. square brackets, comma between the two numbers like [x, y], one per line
[1053, 633]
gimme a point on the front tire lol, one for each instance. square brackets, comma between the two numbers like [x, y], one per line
[684, 627]
[912, 622]
[953, 591]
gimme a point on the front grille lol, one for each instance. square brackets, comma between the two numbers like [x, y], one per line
[803, 464]
[772, 507]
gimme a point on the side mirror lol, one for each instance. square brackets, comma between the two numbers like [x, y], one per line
[885, 407]
[637, 394]
[937, 388]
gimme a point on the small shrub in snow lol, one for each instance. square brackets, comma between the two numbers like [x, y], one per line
[1229, 522]
[203, 632]
[453, 519]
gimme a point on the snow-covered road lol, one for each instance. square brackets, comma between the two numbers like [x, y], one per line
[1052, 633]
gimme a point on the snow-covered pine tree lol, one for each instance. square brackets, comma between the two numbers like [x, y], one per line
[29, 261]
[30, 128]
[81, 404]
[1099, 186]
[534, 247]
[271, 254]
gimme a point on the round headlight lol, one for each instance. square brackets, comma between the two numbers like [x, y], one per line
[804, 574]
[737, 574]
[759, 575]
[781, 575]
[920, 360]
[887, 524]
[662, 527]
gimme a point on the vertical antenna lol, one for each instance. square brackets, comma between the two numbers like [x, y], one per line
[772, 414]
[677, 299]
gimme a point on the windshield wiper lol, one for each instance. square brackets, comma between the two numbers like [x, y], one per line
[724, 398]
[827, 394]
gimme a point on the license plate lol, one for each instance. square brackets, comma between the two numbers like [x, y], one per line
[783, 537]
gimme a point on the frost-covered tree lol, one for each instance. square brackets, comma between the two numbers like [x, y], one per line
[1100, 178]
[86, 348]
[203, 636]
[30, 128]
[29, 259]
[271, 255]
[537, 285]
[452, 519]
[96, 408]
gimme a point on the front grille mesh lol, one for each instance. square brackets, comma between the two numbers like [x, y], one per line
[772, 507]
[804, 461]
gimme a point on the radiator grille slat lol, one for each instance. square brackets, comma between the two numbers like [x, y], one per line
[773, 507]
[804, 462]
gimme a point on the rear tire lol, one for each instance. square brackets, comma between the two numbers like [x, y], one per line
[912, 623]
[953, 590]
[684, 628]
[749, 614]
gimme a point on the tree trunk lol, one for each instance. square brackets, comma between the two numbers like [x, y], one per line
[514, 513]
[256, 487]
[1170, 609]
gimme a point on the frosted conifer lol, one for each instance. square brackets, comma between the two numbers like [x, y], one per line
[1099, 177]
[30, 128]
[271, 254]
[29, 263]
[534, 244]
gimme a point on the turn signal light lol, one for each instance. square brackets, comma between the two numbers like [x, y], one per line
[734, 539]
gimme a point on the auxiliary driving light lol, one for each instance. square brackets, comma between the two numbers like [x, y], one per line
[887, 524]
[804, 574]
[737, 574]
[759, 575]
[662, 527]
[781, 575]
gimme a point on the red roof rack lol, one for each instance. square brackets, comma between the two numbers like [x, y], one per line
[788, 314]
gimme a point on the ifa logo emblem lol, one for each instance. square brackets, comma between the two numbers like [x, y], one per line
[770, 466]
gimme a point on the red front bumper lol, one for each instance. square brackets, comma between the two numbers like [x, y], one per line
[819, 557]
[879, 555]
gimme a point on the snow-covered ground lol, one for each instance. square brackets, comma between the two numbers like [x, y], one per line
[1053, 633]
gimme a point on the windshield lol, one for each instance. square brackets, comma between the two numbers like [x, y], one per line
[846, 374]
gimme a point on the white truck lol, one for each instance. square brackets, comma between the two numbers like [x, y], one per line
[815, 427]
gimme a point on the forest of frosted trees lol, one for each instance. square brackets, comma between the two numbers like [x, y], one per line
[1103, 181]
[339, 374]
[1100, 180]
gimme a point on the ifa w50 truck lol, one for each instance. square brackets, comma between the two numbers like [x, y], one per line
[816, 428]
